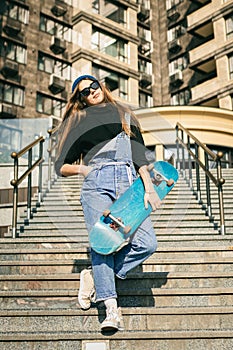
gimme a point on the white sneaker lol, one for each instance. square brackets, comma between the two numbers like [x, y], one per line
[113, 321]
[86, 292]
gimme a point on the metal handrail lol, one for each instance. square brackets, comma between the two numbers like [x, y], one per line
[51, 157]
[208, 154]
[27, 174]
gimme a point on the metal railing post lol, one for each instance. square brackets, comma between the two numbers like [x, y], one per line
[198, 184]
[208, 195]
[221, 182]
[15, 195]
[190, 164]
[177, 148]
[183, 156]
[49, 161]
[40, 192]
[29, 189]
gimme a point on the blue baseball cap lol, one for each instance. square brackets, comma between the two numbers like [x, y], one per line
[77, 81]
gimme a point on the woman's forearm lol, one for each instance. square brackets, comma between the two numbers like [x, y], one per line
[145, 176]
[70, 169]
[75, 169]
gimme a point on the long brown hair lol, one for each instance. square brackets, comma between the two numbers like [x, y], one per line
[75, 111]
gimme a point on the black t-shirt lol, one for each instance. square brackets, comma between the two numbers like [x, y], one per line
[100, 125]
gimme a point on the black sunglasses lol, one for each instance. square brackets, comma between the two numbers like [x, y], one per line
[86, 92]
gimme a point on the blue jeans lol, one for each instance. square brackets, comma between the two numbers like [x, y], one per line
[105, 183]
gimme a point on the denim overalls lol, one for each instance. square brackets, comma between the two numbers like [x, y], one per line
[113, 172]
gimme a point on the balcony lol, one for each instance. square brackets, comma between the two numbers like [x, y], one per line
[174, 46]
[58, 45]
[12, 27]
[59, 8]
[144, 47]
[143, 14]
[176, 79]
[10, 69]
[173, 14]
[56, 84]
[145, 80]
[7, 111]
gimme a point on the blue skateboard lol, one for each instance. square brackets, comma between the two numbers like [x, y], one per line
[114, 228]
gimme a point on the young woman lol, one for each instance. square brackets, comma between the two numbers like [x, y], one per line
[105, 138]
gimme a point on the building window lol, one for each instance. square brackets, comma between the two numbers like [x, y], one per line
[110, 10]
[144, 66]
[181, 98]
[50, 106]
[230, 58]
[116, 83]
[145, 41]
[53, 66]
[229, 26]
[13, 51]
[11, 94]
[145, 100]
[179, 64]
[176, 32]
[172, 3]
[109, 45]
[55, 28]
[18, 13]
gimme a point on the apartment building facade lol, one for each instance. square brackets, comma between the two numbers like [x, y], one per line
[150, 53]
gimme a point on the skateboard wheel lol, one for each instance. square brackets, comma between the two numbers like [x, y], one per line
[127, 229]
[106, 213]
[170, 182]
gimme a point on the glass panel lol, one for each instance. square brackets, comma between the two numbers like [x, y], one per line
[8, 93]
[108, 9]
[18, 97]
[10, 51]
[47, 105]
[19, 13]
[110, 45]
[231, 67]
[229, 27]
[21, 56]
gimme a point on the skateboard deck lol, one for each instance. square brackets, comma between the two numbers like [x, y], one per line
[114, 228]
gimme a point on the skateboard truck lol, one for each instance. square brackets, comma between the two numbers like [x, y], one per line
[159, 177]
[117, 221]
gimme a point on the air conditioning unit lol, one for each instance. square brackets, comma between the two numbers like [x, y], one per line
[58, 45]
[143, 13]
[57, 84]
[145, 80]
[12, 27]
[174, 46]
[7, 111]
[176, 79]
[10, 68]
[173, 14]
[59, 8]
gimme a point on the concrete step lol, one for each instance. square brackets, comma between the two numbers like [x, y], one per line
[135, 320]
[145, 340]
[167, 280]
[72, 264]
[134, 297]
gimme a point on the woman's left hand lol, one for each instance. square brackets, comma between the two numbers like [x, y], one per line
[152, 198]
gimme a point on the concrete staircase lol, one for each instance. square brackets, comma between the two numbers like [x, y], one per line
[180, 298]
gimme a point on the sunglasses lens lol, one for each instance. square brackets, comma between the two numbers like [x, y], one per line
[86, 92]
[95, 85]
